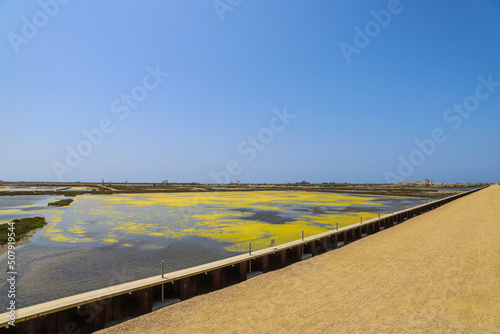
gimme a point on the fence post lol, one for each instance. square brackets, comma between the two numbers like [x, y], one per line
[250, 260]
[163, 285]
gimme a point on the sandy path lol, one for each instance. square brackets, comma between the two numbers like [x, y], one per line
[436, 273]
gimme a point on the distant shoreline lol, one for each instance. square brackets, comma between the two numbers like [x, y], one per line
[408, 189]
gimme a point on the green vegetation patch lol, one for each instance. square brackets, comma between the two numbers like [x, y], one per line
[20, 228]
[63, 202]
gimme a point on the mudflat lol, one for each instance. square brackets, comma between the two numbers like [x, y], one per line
[435, 273]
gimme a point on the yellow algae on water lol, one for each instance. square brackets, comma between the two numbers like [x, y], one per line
[132, 228]
[344, 219]
[77, 228]
[260, 234]
[64, 238]
[9, 212]
[239, 233]
[109, 240]
[220, 216]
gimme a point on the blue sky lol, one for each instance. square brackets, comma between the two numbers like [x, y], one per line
[260, 91]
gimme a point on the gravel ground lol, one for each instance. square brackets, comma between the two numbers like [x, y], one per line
[436, 273]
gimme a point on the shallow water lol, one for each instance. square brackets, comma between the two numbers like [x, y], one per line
[102, 240]
[17, 207]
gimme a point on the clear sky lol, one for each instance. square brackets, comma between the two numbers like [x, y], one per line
[260, 91]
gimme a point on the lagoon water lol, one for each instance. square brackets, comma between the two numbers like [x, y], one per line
[103, 240]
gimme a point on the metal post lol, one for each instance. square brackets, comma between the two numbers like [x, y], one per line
[249, 248]
[379, 215]
[337, 226]
[361, 220]
[162, 270]
[302, 246]
[162, 292]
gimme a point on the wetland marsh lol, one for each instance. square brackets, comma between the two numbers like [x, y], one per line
[102, 240]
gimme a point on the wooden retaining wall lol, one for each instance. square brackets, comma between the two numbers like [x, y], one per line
[91, 311]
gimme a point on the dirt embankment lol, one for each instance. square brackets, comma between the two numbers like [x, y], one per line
[24, 240]
[436, 273]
